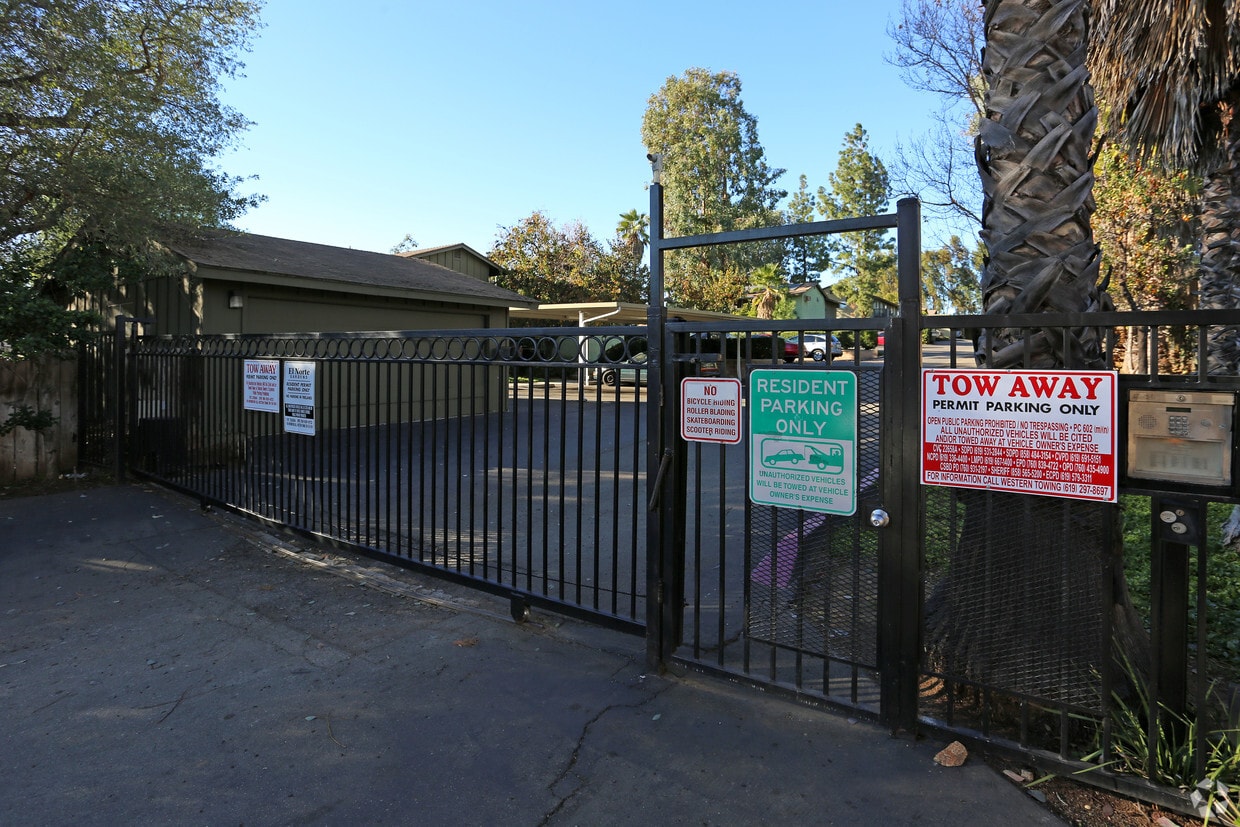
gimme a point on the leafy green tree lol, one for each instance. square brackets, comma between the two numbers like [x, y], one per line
[405, 245]
[1145, 225]
[715, 179]
[109, 121]
[545, 262]
[808, 256]
[620, 274]
[566, 264]
[950, 279]
[865, 262]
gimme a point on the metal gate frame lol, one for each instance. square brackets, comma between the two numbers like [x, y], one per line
[901, 563]
[899, 631]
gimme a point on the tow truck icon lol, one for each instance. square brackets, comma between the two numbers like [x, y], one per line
[828, 458]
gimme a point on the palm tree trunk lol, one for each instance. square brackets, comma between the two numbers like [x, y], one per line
[1220, 250]
[1219, 277]
[1031, 582]
[1033, 153]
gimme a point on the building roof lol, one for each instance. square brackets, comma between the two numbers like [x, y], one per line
[423, 252]
[798, 289]
[260, 258]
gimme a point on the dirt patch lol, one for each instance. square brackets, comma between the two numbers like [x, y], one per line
[1083, 806]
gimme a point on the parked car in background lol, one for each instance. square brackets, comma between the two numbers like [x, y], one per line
[761, 346]
[837, 349]
[631, 372]
[816, 346]
[882, 340]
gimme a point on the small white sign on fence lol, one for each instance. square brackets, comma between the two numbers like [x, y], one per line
[261, 380]
[299, 398]
[710, 410]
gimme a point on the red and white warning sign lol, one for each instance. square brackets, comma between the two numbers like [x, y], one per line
[710, 410]
[1026, 431]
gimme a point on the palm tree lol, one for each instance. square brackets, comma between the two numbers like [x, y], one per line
[1172, 71]
[633, 230]
[1020, 588]
[769, 286]
[1033, 152]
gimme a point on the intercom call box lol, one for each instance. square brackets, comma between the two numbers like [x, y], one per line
[1181, 436]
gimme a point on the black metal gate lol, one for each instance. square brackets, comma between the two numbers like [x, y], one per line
[547, 466]
[998, 618]
[822, 606]
[508, 460]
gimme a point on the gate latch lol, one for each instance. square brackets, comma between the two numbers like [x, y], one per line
[879, 518]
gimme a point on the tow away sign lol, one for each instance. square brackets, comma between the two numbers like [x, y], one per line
[1043, 432]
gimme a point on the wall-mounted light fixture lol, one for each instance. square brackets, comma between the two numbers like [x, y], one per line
[234, 300]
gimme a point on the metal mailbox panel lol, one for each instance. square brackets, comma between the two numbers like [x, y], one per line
[1181, 437]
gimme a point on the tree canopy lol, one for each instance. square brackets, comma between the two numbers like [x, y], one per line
[808, 256]
[864, 261]
[715, 179]
[567, 264]
[109, 120]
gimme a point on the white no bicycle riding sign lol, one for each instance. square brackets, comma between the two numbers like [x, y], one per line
[803, 439]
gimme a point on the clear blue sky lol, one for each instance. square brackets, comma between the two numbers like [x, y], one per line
[377, 118]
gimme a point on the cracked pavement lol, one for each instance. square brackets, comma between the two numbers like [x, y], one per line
[162, 665]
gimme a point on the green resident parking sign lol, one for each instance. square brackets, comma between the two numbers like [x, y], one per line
[803, 439]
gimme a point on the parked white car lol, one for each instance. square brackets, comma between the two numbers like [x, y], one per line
[817, 345]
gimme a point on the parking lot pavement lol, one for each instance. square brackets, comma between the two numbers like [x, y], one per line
[159, 664]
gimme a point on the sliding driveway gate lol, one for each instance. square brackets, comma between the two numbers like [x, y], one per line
[549, 466]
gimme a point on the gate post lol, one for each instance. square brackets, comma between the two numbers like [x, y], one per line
[660, 456]
[121, 384]
[899, 563]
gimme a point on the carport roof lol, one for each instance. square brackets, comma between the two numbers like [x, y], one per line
[260, 258]
[614, 313]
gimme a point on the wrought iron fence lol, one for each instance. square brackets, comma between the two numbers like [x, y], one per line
[511, 460]
[1061, 630]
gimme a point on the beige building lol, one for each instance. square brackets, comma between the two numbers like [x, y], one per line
[246, 283]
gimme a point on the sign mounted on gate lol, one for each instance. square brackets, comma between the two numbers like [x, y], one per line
[803, 439]
[1046, 432]
[299, 398]
[261, 385]
[710, 410]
